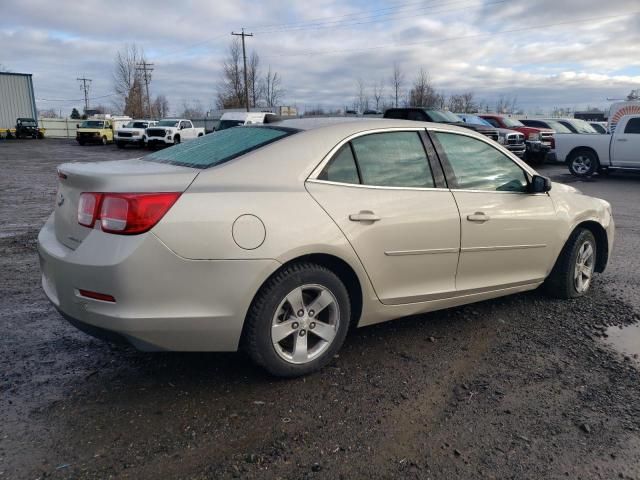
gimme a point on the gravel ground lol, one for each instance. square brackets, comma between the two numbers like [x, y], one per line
[519, 387]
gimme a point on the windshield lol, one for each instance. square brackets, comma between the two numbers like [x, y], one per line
[442, 116]
[224, 124]
[92, 124]
[475, 120]
[136, 125]
[558, 127]
[511, 123]
[28, 123]
[219, 147]
[167, 123]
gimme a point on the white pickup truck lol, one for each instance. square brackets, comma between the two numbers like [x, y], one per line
[587, 154]
[172, 131]
[133, 133]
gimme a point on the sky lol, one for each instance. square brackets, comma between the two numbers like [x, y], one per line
[546, 53]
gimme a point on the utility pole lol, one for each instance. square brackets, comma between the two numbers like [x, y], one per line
[86, 83]
[146, 69]
[244, 57]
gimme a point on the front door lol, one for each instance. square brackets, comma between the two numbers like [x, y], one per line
[626, 145]
[380, 191]
[508, 235]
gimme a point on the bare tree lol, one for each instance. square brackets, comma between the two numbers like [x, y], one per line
[397, 80]
[423, 94]
[506, 104]
[231, 88]
[378, 92]
[192, 110]
[253, 79]
[463, 103]
[48, 113]
[361, 102]
[160, 107]
[128, 84]
[271, 88]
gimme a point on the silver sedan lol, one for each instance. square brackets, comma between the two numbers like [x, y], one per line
[277, 238]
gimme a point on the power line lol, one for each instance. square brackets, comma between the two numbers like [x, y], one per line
[446, 39]
[74, 99]
[86, 83]
[244, 57]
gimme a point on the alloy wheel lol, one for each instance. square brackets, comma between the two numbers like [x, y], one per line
[585, 264]
[582, 164]
[305, 324]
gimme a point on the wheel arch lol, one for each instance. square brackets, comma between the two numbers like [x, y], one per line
[602, 243]
[338, 266]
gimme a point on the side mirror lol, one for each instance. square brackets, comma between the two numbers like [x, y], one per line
[540, 184]
[77, 125]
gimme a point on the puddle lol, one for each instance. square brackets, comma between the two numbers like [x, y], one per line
[626, 341]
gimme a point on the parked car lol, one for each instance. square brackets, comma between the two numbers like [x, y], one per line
[372, 112]
[557, 127]
[600, 127]
[540, 141]
[172, 131]
[511, 139]
[278, 238]
[438, 116]
[133, 133]
[236, 119]
[588, 154]
[576, 125]
[28, 128]
[99, 129]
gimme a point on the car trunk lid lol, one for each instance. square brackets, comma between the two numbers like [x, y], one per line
[120, 176]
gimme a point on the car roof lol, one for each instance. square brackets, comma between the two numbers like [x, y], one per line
[352, 125]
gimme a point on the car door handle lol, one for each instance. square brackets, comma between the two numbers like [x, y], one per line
[622, 139]
[478, 217]
[364, 216]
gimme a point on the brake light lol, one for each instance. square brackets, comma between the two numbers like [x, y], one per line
[126, 213]
[97, 296]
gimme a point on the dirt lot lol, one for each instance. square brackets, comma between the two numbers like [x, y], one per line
[520, 387]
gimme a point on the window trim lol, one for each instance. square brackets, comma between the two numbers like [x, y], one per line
[448, 169]
[313, 177]
[626, 127]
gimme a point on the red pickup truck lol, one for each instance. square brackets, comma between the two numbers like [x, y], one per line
[540, 141]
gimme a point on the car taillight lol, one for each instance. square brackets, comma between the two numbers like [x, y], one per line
[88, 208]
[127, 213]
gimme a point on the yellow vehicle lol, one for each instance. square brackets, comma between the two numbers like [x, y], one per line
[95, 131]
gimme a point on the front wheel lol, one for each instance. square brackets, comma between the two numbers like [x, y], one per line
[298, 320]
[583, 163]
[104, 140]
[573, 272]
[176, 140]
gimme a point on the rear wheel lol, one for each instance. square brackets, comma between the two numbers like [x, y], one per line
[298, 320]
[104, 140]
[573, 272]
[583, 163]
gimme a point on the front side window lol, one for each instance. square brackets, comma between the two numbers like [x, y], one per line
[633, 126]
[493, 122]
[479, 166]
[393, 159]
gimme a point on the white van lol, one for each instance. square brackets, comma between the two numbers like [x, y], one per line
[234, 119]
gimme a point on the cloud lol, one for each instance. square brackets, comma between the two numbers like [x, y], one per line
[541, 51]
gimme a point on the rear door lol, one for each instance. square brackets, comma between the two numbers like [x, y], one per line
[383, 192]
[626, 144]
[509, 237]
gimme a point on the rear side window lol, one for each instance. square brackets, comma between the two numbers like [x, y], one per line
[219, 147]
[393, 159]
[633, 126]
[397, 114]
[342, 167]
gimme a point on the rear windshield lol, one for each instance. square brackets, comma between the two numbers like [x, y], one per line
[219, 147]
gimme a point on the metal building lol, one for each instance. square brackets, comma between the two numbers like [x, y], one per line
[16, 98]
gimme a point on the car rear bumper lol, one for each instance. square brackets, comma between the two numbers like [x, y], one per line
[162, 301]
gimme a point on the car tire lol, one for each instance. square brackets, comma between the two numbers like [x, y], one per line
[583, 163]
[286, 301]
[104, 140]
[572, 275]
[176, 140]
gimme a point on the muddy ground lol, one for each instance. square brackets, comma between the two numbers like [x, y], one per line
[520, 387]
